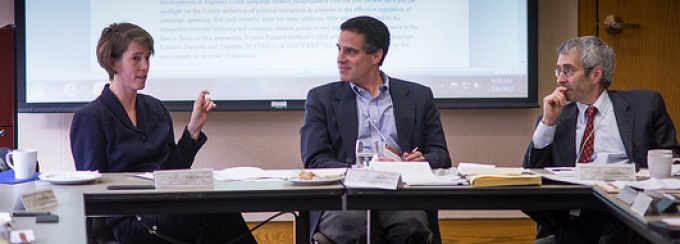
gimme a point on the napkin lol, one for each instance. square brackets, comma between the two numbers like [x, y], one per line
[7, 177]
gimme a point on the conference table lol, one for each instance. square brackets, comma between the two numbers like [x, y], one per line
[542, 197]
[223, 196]
[650, 226]
[71, 212]
[78, 201]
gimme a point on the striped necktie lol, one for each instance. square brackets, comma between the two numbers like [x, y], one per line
[588, 137]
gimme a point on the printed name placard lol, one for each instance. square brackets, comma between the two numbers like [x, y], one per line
[641, 204]
[363, 178]
[606, 172]
[193, 177]
[39, 199]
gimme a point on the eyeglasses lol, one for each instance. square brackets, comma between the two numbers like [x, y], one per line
[568, 71]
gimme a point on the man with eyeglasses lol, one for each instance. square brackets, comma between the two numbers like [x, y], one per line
[621, 127]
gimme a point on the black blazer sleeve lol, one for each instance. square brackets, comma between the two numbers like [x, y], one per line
[321, 143]
[432, 139]
[537, 158]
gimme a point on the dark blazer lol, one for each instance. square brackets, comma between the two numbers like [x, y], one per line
[103, 137]
[642, 120]
[330, 124]
[330, 129]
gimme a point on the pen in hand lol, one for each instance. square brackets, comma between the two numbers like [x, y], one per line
[406, 155]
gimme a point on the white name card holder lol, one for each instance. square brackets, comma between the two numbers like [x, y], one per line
[628, 195]
[364, 178]
[37, 200]
[641, 204]
[193, 177]
[625, 172]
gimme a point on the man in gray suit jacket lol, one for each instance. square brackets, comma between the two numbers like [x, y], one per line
[367, 103]
[624, 126]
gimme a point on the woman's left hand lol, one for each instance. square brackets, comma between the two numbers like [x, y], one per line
[202, 107]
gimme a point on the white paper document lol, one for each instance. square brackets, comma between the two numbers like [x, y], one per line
[472, 168]
[566, 177]
[651, 184]
[465, 169]
[675, 221]
[253, 174]
[563, 171]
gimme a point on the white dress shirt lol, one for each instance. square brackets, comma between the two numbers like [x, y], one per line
[608, 146]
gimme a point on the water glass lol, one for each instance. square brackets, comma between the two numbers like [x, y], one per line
[366, 151]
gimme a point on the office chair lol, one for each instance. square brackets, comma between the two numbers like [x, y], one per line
[3, 165]
[543, 236]
[433, 221]
[98, 232]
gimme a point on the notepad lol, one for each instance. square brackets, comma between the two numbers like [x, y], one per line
[505, 180]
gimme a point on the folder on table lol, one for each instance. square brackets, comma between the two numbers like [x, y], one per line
[505, 180]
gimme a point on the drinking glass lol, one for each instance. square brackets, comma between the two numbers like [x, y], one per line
[366, 150]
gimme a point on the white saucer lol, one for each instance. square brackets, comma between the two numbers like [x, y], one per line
[70, 178]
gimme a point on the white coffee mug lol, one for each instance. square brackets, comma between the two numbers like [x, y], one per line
[660, 165]
[23, 161]
[665, 152]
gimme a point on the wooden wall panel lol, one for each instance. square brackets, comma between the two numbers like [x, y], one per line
[647, 57]
[7, 101]
[587, 18]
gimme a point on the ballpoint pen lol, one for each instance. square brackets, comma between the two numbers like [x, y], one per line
[412, 152]
[562, 170]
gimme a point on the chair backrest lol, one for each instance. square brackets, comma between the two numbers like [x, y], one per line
[99, 232]
[3, 152]
[433, 221]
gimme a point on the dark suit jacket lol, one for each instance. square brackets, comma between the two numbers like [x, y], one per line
[643, 124]
[329, 132]
[103, 137]
[330, 125]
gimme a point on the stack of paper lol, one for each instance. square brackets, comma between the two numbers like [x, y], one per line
[465, 169]
[650, 184]
[417, 173]
[252, 174]
[566, 175]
